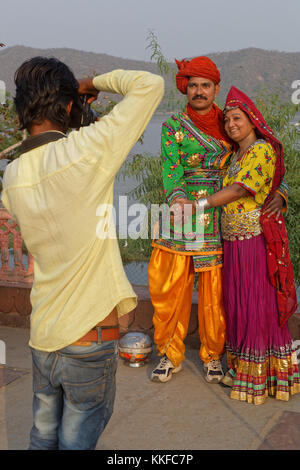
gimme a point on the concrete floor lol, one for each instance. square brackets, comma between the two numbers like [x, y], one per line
[186, 413]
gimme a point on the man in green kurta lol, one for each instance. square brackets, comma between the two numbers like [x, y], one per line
[196, 153]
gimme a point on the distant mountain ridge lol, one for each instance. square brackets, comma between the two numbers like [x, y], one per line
[248, 69]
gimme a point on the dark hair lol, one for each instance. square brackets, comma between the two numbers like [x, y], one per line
[44, 87]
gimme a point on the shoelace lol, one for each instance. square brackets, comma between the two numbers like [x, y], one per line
[215, 365]
[164, 361]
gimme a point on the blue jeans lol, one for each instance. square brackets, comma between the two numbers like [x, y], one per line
[73, 395]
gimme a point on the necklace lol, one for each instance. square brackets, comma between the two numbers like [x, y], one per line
[236, 161]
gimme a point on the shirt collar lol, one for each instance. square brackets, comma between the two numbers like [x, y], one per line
[40, 139]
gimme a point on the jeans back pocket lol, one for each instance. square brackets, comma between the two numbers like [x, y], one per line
[84, 383]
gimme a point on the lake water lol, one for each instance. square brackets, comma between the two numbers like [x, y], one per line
[150, 145]
[137, 272]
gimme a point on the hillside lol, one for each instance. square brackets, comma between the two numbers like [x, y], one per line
[248, 69]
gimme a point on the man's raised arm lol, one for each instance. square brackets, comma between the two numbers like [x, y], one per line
[115, 134]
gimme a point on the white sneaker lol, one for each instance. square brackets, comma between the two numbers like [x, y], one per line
[214, 372]
[164, 370]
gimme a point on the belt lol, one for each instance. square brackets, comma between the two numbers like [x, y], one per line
[241, 226]
[98, 335]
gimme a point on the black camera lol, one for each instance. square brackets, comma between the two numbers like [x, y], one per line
[81, 112]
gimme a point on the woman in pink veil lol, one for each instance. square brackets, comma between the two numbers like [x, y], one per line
[258, 288]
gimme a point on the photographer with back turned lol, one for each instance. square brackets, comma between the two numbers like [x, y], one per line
[80, 289]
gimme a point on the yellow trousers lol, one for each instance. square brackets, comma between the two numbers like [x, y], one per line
[171, 279]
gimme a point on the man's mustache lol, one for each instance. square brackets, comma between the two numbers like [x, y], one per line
[199, 97]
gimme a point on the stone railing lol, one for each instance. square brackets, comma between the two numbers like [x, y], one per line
[11, 241]
[15, 277]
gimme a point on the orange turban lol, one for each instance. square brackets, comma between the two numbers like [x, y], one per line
[197, 67]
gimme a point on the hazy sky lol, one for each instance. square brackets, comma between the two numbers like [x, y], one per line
[184, 28]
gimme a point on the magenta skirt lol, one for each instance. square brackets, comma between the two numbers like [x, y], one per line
[260, 355]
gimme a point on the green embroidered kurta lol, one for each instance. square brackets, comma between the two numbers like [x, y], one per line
[193, 166]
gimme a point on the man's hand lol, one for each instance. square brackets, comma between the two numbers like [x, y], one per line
[275, 205]
[86, 87]
[181, 212]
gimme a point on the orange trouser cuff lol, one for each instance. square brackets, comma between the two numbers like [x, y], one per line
[171, 279]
